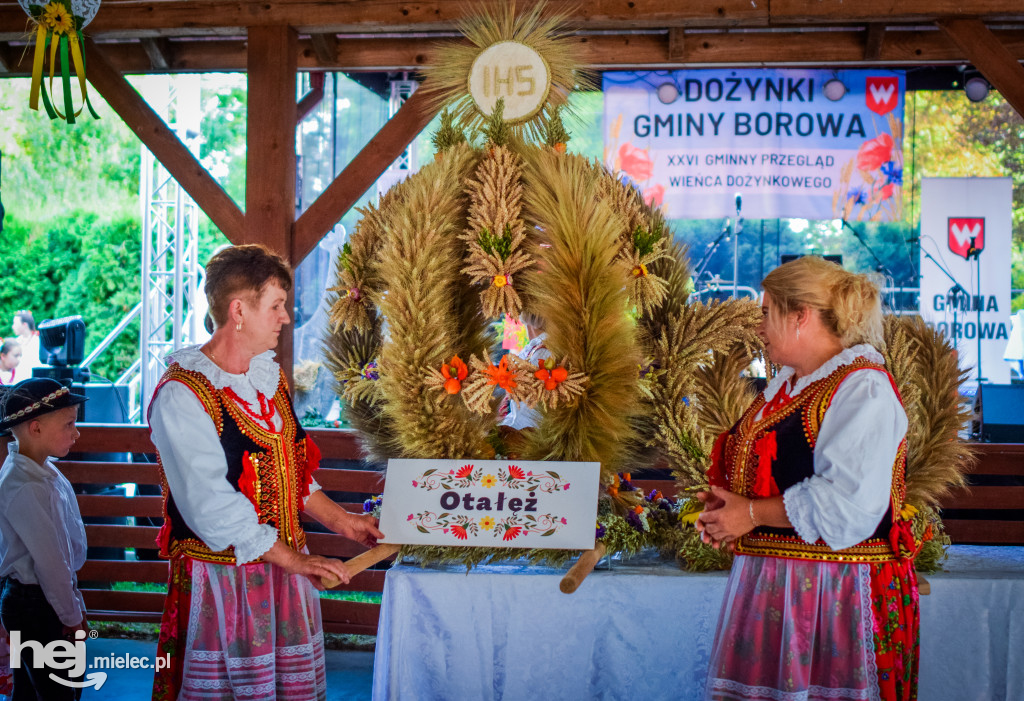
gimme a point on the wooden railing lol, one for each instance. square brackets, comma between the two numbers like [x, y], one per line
[990, 511]
[92, 468]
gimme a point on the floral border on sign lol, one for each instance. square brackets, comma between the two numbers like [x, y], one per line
[509, 528]
[512, 477]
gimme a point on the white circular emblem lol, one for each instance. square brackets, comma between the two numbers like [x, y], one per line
[512, 71]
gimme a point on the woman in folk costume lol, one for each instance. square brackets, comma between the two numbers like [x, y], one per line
[242, 617]
[807, 489]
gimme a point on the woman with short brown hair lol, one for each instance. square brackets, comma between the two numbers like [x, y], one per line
[242, 616]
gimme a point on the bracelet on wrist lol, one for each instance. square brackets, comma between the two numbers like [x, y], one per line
[750, 510]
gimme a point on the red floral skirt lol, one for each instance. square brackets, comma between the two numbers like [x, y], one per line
[248, 632]
[797, 629]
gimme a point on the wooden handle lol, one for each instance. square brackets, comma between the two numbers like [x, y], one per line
[924, 587]
[584, 566]
[360, 562]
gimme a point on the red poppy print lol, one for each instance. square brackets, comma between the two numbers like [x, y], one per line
[635, 162]
[654, 196]
[874, 152]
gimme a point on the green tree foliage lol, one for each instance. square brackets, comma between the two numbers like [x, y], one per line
[72, 235]
[78, 262]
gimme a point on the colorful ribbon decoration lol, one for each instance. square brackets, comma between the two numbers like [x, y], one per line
[59, 30]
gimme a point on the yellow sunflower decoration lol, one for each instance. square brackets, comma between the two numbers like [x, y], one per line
[58, 27]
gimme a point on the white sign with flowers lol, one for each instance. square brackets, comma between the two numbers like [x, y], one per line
[491, 503]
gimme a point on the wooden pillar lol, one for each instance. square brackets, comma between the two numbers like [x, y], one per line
[270, 157]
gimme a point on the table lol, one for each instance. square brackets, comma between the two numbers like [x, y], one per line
[644, 629]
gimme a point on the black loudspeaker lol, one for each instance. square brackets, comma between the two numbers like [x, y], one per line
[790, 257]
[1000, 413]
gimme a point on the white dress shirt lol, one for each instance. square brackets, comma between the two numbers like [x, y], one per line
[846, 498]
[42, 539]
[193, 457]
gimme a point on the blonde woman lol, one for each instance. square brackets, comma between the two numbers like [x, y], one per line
[807, 489]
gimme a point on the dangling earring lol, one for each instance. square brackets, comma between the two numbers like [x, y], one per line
[238, 327]
[797, 332]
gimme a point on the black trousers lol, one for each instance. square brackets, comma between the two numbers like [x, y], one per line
[24, 608]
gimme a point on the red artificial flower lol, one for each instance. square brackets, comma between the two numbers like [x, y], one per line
[512, 533]
[247, 480]
[635, 162]
[874, 152]
[551, 378]
[454, 372]
[313, 456]
[464, 472]
[500, 375]
[515, 473]
[459, 532]
[654, 196]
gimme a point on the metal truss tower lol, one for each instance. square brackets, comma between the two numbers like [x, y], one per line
[170, 241]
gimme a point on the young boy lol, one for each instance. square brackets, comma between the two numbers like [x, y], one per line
[42, 539]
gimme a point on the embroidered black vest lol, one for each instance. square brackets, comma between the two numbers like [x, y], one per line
[271, 468]
[763, 458]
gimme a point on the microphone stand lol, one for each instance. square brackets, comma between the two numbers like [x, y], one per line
[956, 290]
[879, 265]
[711, 251]
[972, 251]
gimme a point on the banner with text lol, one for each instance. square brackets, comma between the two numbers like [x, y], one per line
[965, 268]
[693, 140]
[491, 503]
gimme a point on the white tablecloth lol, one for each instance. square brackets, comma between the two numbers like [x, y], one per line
[644, 631]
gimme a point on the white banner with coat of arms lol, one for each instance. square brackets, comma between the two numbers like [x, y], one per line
[966, 229]
[816, 144]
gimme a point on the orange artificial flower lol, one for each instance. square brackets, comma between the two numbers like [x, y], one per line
[638, 509]
[500, 375]
[454, 372]
[560, 148]
[640, 271]
[551, 378]
[501, 280]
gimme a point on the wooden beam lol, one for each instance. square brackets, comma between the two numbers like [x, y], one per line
[873, 42]
[165, 145]
[312, 97]
[901, 47]
[840, 11]
[359, 175]
[325, 46]
[135, 18]
[990, 57]
[270, 152]
[676, 43]
[158, 51]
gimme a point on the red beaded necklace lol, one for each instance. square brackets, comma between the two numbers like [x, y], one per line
[267, 408]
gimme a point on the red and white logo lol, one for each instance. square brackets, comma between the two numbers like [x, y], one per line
[965, 231]
[882, 94]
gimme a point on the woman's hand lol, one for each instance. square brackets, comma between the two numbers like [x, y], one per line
[313, 567]
[361, 528]
[725, 518]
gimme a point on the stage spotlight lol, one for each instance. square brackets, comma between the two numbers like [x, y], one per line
[668, 93]
[62, 341]
[976, 88]
[834, 90]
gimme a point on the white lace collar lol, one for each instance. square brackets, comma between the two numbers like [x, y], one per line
[263, 375]
[844, 357]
